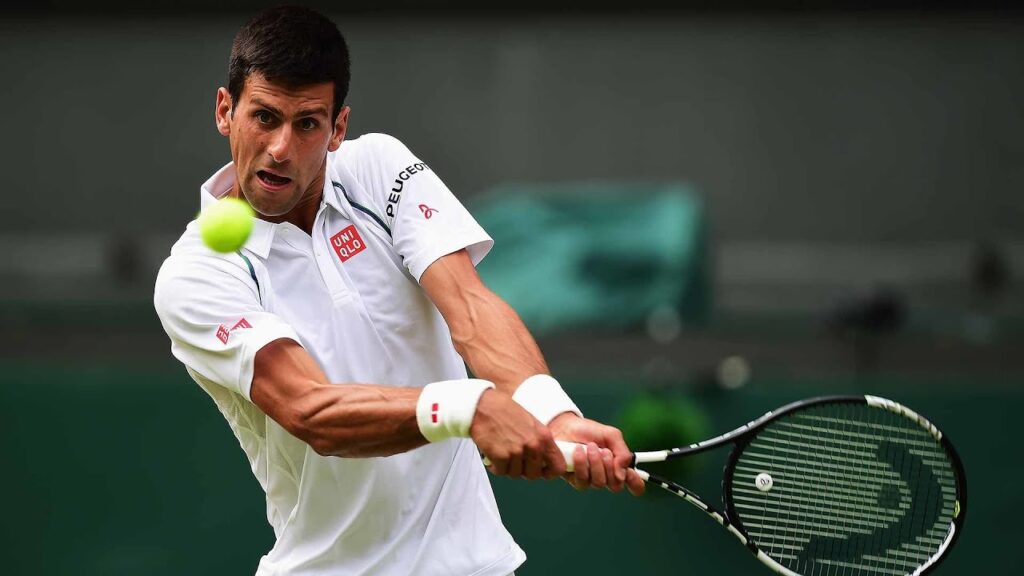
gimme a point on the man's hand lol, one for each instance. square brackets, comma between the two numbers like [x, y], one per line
[606, 460]
[514, 442]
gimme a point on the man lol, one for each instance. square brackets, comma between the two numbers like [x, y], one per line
[334, 341]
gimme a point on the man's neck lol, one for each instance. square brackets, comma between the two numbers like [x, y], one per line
[303, 214]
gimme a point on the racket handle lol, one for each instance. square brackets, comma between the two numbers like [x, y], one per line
[567, 449]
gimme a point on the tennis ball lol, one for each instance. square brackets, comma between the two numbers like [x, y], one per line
[226, 225]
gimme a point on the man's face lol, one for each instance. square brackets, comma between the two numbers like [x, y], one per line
[279, 141]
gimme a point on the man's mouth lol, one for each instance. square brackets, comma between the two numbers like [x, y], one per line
[271, 180]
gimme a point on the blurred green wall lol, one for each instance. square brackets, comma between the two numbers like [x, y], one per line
[134, 472]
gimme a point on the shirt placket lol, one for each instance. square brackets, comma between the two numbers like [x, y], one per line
[338, 284]
[332, 268]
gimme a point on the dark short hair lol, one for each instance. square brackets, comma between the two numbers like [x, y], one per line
[293, 46]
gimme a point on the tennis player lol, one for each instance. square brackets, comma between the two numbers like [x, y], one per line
[334, 341]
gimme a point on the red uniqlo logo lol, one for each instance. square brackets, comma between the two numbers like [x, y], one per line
[223, 333]
[433, 413]
[347, 243]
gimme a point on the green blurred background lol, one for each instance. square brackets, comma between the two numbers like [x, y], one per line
[725, 208]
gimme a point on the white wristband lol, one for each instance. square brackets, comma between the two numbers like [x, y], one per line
[446, 409]
[543, 397]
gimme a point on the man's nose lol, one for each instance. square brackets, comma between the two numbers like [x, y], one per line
[281, 144]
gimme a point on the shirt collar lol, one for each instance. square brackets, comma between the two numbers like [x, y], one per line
[216, 188]
[335, 194]
[262, 235]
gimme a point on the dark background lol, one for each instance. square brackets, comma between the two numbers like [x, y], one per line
[859, 164]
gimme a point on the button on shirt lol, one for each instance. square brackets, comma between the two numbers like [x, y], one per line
[349, 293]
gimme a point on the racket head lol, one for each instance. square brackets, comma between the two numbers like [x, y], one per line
[846, 485]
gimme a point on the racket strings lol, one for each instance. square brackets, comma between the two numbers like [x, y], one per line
[855, 490]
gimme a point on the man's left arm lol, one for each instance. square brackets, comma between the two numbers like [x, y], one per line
[496, 345]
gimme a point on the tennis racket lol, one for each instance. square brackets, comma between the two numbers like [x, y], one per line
[834, 486]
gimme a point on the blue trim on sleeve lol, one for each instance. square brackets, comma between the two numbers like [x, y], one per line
[252, 272]
[362, 208]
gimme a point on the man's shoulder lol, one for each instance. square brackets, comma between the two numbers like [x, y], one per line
[195, 276]
[372, 155]
[190, 257]
[369, 147]
[368, 166]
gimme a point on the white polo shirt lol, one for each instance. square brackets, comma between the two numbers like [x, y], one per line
[349, 294]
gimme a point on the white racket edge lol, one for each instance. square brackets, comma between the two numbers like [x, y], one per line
[567, 448]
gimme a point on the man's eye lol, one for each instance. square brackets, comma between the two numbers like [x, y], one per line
[308, 124]
[264, 117]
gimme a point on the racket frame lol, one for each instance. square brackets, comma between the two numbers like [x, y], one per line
[742, 436]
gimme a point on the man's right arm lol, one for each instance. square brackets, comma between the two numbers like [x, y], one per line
[211, 309]
[354, 420]
[365, 420]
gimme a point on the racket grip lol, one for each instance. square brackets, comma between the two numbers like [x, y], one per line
[567, 449]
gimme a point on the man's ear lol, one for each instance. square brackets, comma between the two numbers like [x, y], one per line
[340, 126]
[222, 114]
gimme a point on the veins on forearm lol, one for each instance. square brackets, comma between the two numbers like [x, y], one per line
[359, 421]
[494, 342]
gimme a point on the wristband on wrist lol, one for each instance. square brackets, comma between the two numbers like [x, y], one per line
[542, 396]
[446, 409]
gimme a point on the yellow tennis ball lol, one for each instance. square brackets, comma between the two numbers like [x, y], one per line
[226, 225]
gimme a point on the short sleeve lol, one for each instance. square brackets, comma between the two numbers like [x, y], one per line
[211, 310]
[427, 221]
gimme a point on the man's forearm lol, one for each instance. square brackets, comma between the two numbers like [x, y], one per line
[357, 420]
[365, 420]
[498, 347]
[492, 339]
[494, 342]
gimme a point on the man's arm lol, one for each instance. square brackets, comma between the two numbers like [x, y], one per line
[363, 420]
[196, 294]
[496, 345]
[486, 331]
[354, 420]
